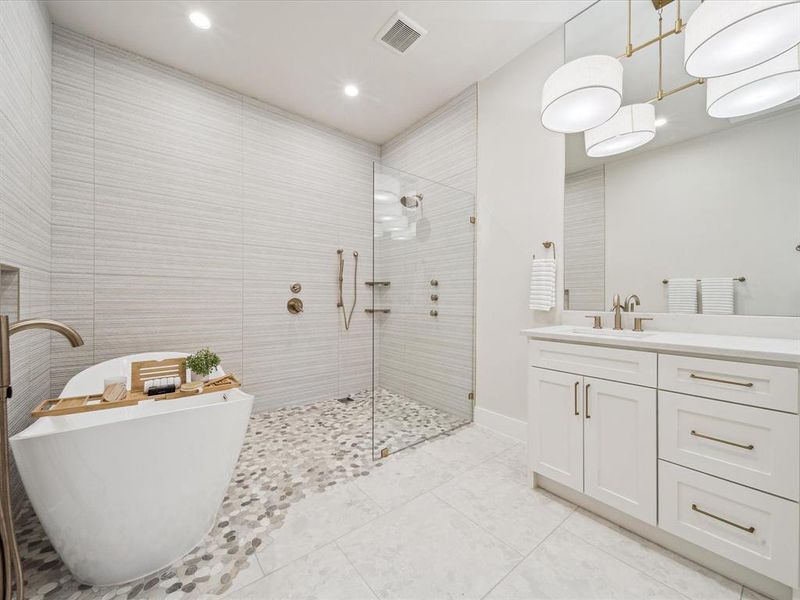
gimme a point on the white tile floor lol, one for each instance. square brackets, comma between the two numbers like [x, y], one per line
[456, 518]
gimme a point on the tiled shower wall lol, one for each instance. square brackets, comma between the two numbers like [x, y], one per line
[182, 212]
[430, 359]
[25, 210]
[584, 239]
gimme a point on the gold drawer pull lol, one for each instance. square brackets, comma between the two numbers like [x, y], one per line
[577, 383]
[721, 441]
[586, 401]
[731, 523]
[748, 384]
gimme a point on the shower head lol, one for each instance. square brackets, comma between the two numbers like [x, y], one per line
[411, 201]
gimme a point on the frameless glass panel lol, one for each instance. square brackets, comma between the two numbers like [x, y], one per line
[423, 303]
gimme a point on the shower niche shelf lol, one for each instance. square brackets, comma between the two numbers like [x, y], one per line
[378, 283]
[378, 310]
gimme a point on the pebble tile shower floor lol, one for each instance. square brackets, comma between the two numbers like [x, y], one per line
[287, 454]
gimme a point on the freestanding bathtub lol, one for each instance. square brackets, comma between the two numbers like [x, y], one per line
[125, 492]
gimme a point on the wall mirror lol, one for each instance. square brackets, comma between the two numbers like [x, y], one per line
[705, 198]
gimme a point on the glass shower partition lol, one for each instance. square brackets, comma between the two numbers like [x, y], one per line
[423, 307]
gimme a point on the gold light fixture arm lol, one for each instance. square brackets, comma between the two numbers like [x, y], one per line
[630, 49]
[663, 94]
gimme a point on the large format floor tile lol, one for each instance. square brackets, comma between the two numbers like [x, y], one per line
[566, 567]
[659, 563]
[520, 516]
[514, 463]
[467, 447]
[426, 549]
[316, 521]
[404, 477]
[325, 574]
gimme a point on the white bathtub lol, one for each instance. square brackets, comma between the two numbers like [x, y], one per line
[125, 492]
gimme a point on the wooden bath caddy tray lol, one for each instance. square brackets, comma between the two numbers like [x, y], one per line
[140, 372]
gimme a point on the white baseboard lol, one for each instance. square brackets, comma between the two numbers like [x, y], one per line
[514, 428]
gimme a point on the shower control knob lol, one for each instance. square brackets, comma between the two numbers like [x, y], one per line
[434, 297]
[434, 313]
[434, 282]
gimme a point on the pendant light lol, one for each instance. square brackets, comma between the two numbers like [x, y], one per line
[582, 94]
[728, 36]
[759, 88]
[633, 126]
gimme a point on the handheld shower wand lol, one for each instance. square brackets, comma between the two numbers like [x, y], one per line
[340, 302]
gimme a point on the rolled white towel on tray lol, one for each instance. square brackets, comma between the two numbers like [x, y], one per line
[543, 284]
[682, 295]
[717, 295]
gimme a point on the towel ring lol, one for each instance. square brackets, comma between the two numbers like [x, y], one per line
[549, 245]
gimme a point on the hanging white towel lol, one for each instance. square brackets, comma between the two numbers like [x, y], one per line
[682, 296]
[543, 284]
[717, 295]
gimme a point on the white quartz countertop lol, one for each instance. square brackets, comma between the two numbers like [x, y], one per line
[720, 346]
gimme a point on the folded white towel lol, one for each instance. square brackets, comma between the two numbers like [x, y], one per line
[682, 296]
[717, 295]
[543, 284]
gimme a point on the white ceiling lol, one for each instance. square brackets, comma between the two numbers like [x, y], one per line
[298, 55]
[602, 29]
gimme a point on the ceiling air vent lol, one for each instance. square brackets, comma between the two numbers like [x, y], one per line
[400, 33]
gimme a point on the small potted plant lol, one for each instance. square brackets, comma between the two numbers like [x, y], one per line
[201, 363]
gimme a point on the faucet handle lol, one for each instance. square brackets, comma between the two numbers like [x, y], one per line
[637, 322]
[598, 321]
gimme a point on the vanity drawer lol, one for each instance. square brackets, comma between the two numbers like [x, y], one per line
[750, 527]
[751, 446]
[744, 383]
[627, 366]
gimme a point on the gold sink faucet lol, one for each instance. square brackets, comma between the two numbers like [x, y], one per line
[617, 307]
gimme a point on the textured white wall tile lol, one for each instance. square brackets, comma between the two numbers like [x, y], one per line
[430, 359]
[182, 212]
[25, 204]
[584, 239]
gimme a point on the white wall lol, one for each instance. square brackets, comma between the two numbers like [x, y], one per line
[721, 205]
[520, 204]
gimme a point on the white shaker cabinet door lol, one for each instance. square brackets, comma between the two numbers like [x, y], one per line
[555, 426]
[620, 450]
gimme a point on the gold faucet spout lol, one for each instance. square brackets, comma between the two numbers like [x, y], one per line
[12, 564]
[616, 306]
[68, 332]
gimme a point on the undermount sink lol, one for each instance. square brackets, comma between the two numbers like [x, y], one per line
[610, 332]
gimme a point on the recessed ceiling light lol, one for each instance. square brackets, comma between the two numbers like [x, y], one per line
[350, 90]
[200, 20]
[660, 121]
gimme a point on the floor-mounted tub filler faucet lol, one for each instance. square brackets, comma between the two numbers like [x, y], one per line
[12, 565]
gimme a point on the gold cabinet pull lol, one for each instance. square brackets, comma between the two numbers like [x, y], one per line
[577, 413]
[748, 384]
[586, 401]
[731, 523]
[721, 441]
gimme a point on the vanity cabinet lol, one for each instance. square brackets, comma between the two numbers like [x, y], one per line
[597, 437]
[555, 426]
[706, 449]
